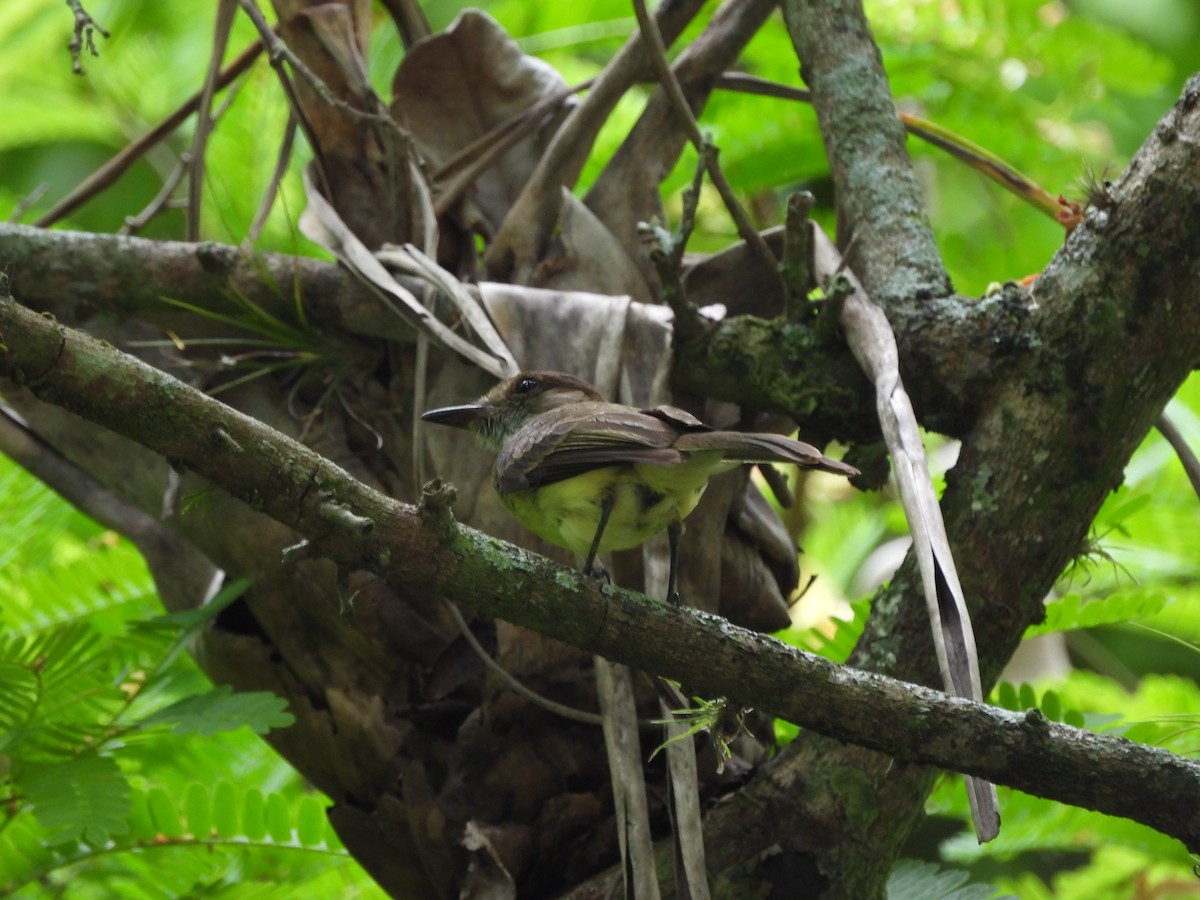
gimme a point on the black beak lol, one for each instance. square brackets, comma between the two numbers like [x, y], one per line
[458, 416]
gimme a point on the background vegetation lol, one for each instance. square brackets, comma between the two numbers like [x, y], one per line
[170, 798]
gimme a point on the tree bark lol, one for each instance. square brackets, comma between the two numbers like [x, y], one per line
[1050, 391]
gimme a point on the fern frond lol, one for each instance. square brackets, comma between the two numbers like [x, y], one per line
[1073, 611]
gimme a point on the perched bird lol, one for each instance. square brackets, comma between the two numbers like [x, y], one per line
[593, 476]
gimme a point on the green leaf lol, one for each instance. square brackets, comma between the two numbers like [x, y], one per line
[279, 819]
[1073, 611]
[141, 822]
[166, 817]
[198, 811]
[80, 799]
[310, 822]
[220, 709]
[23, 852]
[913, 880]
[225, 810]
[254, 824]
[188, 620]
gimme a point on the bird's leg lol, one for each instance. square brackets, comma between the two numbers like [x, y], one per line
[674, 530]
[606, 508]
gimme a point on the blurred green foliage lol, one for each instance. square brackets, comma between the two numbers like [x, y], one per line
[123, 770]
[1056, 88]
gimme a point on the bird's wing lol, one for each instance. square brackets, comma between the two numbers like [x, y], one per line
[680, 419]
[554, 447]
[757, 447]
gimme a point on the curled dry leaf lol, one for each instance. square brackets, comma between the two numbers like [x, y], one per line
[585, 255]
[873, 343]
[454, 88]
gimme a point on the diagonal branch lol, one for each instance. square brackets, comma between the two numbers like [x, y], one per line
[879, 199]
[359, 528]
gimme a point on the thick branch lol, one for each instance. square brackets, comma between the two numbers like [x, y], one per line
[77, 271]
[770, 365]
[879, 199]
[360, 528]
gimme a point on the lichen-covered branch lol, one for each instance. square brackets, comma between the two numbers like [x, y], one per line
[359, 528]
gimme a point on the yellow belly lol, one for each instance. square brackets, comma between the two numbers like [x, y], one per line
[646, 499]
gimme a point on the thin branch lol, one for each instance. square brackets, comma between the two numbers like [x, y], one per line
[226, 9]
[879, 198]
[670, 85]
[268, 201]
[410, 20]
[1191, 465]
[534, 215]
[280, 53]
[78, 487]
[134, 224]
[514, 684]
[162, 200]
[470, 162]
[978, 158]
[84, 36]
[22, 206]
[116, 167]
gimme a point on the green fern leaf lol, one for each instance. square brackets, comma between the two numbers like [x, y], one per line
[80, 799]
[225, 810]
[1073, 611]
[254, 823]
[220, 709]
[165, 815]
[198, 811]
[279, 819]
[913, 880]
[310, 822]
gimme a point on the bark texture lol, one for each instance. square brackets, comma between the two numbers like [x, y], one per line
[1050, 391]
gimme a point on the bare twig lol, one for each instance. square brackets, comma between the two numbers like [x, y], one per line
[534, 215]
[162, 199]
[79, 487]
[978, 158]
[115, 167]
[204, 119]
[84, 39]
[21, 206]
[514, 684]
[667, 254]
[670, 84]
[280, 53]
[134, 224]
[268, 200]
[410, 20]
[1191, 465]
[743, 83]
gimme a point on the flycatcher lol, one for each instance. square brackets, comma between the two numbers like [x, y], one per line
[593, 476]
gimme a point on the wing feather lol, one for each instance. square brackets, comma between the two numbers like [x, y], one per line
[761, 447]
[554, 446]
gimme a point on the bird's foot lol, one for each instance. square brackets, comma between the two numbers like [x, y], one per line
[598, 572]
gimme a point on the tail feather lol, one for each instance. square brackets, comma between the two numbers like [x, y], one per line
[760, 447]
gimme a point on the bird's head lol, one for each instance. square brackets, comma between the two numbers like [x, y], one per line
[499, 413]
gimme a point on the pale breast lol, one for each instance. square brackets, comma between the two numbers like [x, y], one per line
[568, 512]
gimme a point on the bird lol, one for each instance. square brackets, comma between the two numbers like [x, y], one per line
[592, 476]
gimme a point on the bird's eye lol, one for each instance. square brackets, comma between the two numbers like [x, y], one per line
[527, 385]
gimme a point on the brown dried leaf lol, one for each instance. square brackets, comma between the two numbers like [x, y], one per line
[588, 257]
[455, 87]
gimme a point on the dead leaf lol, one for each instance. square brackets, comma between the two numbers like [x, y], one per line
[455, 87]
